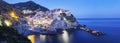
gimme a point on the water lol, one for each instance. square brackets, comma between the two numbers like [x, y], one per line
[110, 27]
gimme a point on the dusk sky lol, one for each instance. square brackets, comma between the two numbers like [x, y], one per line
[82, 8]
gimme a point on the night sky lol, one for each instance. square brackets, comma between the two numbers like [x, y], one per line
[82, 8]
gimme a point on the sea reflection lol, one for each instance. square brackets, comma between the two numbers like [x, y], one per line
[60, 38]
[65, 37]
[32, 38]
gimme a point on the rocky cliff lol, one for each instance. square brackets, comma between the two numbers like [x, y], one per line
[29, 5]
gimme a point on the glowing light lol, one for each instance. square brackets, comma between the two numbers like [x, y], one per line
[8, 23]
[65, 37]
[0, 22]
[42, 38]
[13, 14]
[32, 38]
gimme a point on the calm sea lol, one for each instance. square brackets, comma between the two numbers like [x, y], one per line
[111, 28]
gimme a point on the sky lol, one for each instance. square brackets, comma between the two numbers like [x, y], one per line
[82, 8]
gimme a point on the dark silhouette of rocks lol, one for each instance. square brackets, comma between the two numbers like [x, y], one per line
[8, 34]
[29, 5]
[11, 35]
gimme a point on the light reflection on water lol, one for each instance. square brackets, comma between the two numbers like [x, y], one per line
[42, 38]
[110, 27]
[62, 38]
[65, 37]
[32, 38]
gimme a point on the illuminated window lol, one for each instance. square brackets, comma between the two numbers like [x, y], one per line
[8, 23]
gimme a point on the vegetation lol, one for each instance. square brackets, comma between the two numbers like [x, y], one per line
[10, 35]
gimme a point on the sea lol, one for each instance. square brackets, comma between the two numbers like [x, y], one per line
[109, 26]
